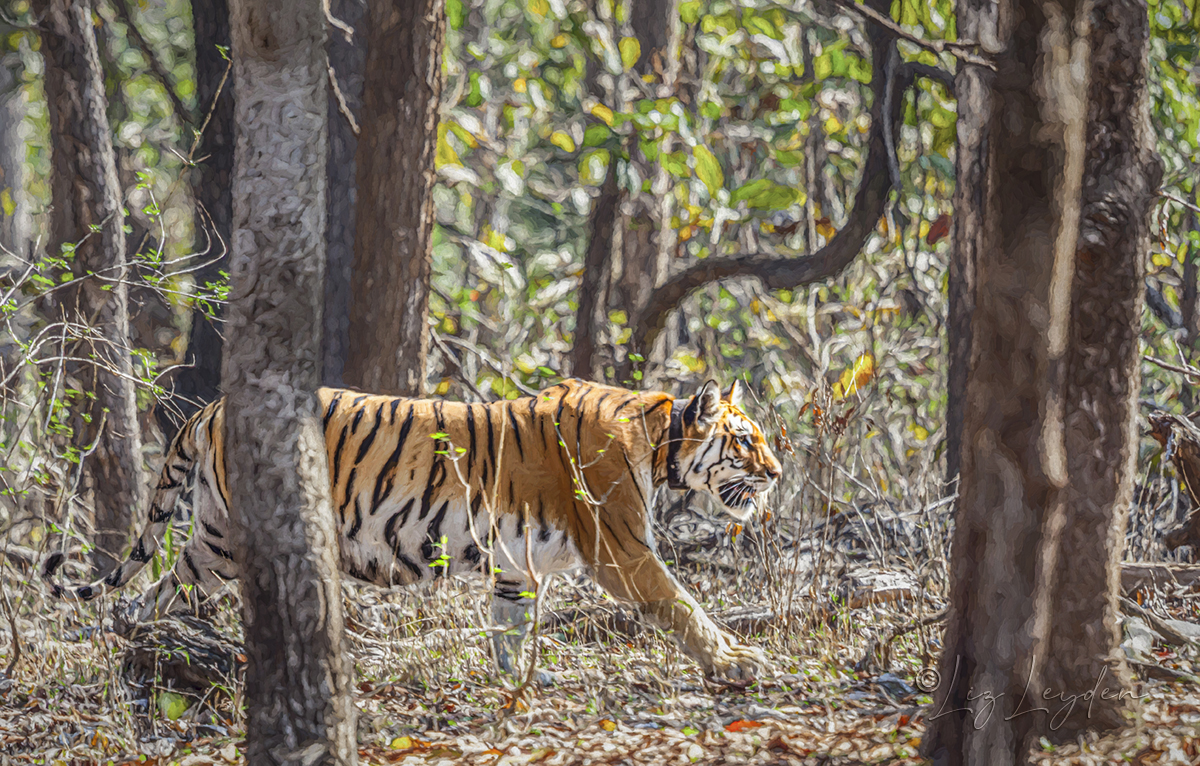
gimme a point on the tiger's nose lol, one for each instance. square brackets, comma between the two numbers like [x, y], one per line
[773, 472]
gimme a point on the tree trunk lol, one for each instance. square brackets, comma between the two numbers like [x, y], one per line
[200, 382]
[88, 211]
[347, 58]
[595, 282]
[389, 308]
[647, 236]
[1121, 177]
[973, 90]
[298, 676]
[1031, 589]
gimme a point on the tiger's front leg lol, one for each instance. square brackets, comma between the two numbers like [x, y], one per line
[647, 583]
[513, 611]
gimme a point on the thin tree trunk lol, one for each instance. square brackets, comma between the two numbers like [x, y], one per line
[595, 282]
[1103, 374]
[200, 382]
[88, 211]
[647, 237]
[347, 58]
[389, 308]
[298, 677]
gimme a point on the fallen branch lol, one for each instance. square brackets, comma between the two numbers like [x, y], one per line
[1138, 575]
[1156, 623]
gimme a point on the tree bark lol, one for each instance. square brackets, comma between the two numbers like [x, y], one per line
[1012, 509]
[200, 382]
[88, 211]
[347, 59]
[973, 91]
[595, 282]
[1121, 177]
[298, 677]
[389, 309]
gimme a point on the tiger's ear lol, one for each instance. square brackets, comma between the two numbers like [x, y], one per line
[734, 394]
[705, 406]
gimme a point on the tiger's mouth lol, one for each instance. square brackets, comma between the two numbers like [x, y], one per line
[737, 494]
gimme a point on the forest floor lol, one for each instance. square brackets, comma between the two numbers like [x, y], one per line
[624, 696]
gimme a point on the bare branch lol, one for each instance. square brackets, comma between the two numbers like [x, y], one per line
[959, 50]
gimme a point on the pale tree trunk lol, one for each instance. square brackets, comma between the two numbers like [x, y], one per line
[298, 677]
[200, 382]
[402, 88]
[347, 57]
[1121, 177]
[85, 194]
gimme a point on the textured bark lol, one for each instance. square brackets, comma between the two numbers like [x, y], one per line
[347, 58]
[1011, 509]
[389, 307]
[86, 193]
[648, 237]
[200, 383]
[298, 677]
[973, 90]
[595, 282]
[1121, 177]
[16, 230]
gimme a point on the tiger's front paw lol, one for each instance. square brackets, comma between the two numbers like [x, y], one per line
[736, 662]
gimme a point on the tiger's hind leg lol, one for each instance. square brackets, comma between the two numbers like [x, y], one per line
[513, 611]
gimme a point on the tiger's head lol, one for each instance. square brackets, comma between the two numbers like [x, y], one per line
[715, 447]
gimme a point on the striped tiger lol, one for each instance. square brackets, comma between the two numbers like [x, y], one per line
[425, 488]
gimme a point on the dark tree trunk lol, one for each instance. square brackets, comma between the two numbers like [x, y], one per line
[1189, 309]
[389, 308]
[347, 57]
[973, 90]
[1121, 177]
[595, 283]
[85, 193]
[298, 676]
[1047, 434]
[200, 382]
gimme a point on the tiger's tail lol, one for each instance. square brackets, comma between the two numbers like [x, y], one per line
[192, 441]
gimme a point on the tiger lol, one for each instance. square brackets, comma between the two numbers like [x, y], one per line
[518, 489]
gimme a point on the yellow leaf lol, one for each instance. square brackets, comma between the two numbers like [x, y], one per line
[855, 376]
[1162, 260]
[7, 204]
[1182, 251]
[539, 7]
[608, 725]
[519, 85]
[825, 228]
[402, 743]
[604, 113]
[559, 41]
[832, 125]
[921, 433]
[631, 51]
[445, 152]
[562, 141]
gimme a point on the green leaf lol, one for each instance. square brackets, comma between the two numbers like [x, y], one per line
[596, 134]
[631, 51]
[676, 164]
[708, 170]
[172, 705]
[765, 194]
[455, 13]
[689, 12]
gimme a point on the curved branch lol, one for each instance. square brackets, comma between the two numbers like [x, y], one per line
[783, 273]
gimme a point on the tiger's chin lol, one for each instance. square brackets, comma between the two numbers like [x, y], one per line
[739, 499]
